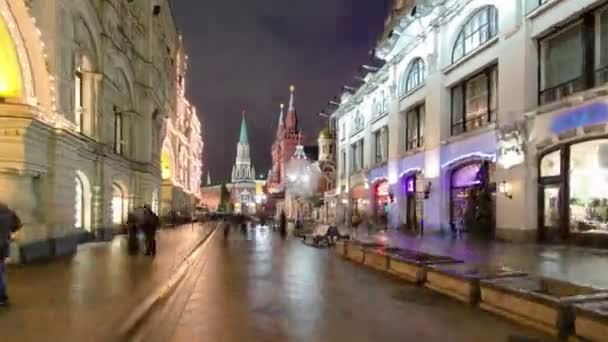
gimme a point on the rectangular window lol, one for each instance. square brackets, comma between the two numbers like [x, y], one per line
[118, 133]
[361, 154]
[78, 100]
[562, 64]
[414, 130]
[601, 75]
[474, 101]
[354, 158]
[381, 145]
[342, 163]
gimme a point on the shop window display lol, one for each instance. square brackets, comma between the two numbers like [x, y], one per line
[588, 201]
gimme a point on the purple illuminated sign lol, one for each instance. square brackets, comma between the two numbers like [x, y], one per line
[409, 185]
[591, 114]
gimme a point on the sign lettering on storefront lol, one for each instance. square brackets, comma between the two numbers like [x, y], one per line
[510, 150]
[382, 189]
[591, 114]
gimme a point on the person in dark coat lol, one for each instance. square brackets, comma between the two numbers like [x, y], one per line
[133, 243]
[9, 224]
[149, 227]
[283, 224]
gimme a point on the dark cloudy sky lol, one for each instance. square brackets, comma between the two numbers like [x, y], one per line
[244, 54]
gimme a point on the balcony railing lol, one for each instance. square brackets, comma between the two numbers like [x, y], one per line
[472, 122]
[561, 91]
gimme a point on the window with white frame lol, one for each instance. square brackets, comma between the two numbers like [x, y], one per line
[383, 103]
[118, 132]
[381, 145]
[78, 95]
[474, 101]
[357, 155]
[574, 57]
[342, 163]
[414, 130]
[481, 26]
[414, 76]
[79, 205]
[359, 123]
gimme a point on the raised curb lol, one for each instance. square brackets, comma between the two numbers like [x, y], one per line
[143, 309]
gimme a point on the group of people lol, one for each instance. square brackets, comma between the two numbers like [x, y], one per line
[144, 220]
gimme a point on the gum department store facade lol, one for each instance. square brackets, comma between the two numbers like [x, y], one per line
[515, 90]
[91, 92]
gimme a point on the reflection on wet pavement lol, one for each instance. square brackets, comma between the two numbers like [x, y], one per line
[259, 287]
[84, 297]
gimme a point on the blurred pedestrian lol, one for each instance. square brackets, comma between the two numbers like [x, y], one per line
[283, 224]
[132, 230]
[149, 227]
[9, 224]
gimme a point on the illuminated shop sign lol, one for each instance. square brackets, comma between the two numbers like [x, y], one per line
[410, 186]
[510, 150]
[382, 189]
[592, 114]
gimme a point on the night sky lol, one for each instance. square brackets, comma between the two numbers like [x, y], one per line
[244, 54]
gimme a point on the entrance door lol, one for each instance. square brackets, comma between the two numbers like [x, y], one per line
[411, 221]
[550, 202]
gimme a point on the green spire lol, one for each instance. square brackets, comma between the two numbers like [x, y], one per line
[243, 139]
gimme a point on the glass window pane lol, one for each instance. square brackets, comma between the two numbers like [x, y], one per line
[603, 48]
[477, 99]
[550, 165]
[589, 187]
[563, 57]
[551, 206]
[457, 108]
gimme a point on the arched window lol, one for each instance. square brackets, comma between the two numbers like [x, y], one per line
[118, 204]
[79, 205]
[478, 29]
[11, 82]
[414, 76]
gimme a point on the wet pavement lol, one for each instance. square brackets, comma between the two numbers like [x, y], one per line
[262, 288]
[85, 297]
[582, 265]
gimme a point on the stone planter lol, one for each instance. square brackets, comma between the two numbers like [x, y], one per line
[461, 281]
[591, 320]
[541, 303]
[411, 265]
[376, 258]
[340, 248]
[356, 250]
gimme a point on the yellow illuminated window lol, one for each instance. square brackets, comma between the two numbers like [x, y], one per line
[10, 71]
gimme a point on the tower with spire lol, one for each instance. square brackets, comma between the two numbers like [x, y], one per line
[243, 170]
[288, 136]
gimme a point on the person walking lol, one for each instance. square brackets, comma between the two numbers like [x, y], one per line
[150, 225]
[9, 224]
[283, 224]
[132, 230]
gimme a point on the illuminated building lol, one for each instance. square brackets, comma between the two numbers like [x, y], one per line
[87, 94]
[510, 94]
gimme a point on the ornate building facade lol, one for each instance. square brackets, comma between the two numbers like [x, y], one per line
[287, 138]
[182, 151]
[506, 97]
[88, 90]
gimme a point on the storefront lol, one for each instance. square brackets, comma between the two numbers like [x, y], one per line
[463, 180]
[413, 197]
[382, 200]
[573, 192]
[359, 204]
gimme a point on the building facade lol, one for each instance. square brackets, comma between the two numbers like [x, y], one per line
[510, 95]
[86, 88]
[182, 151]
